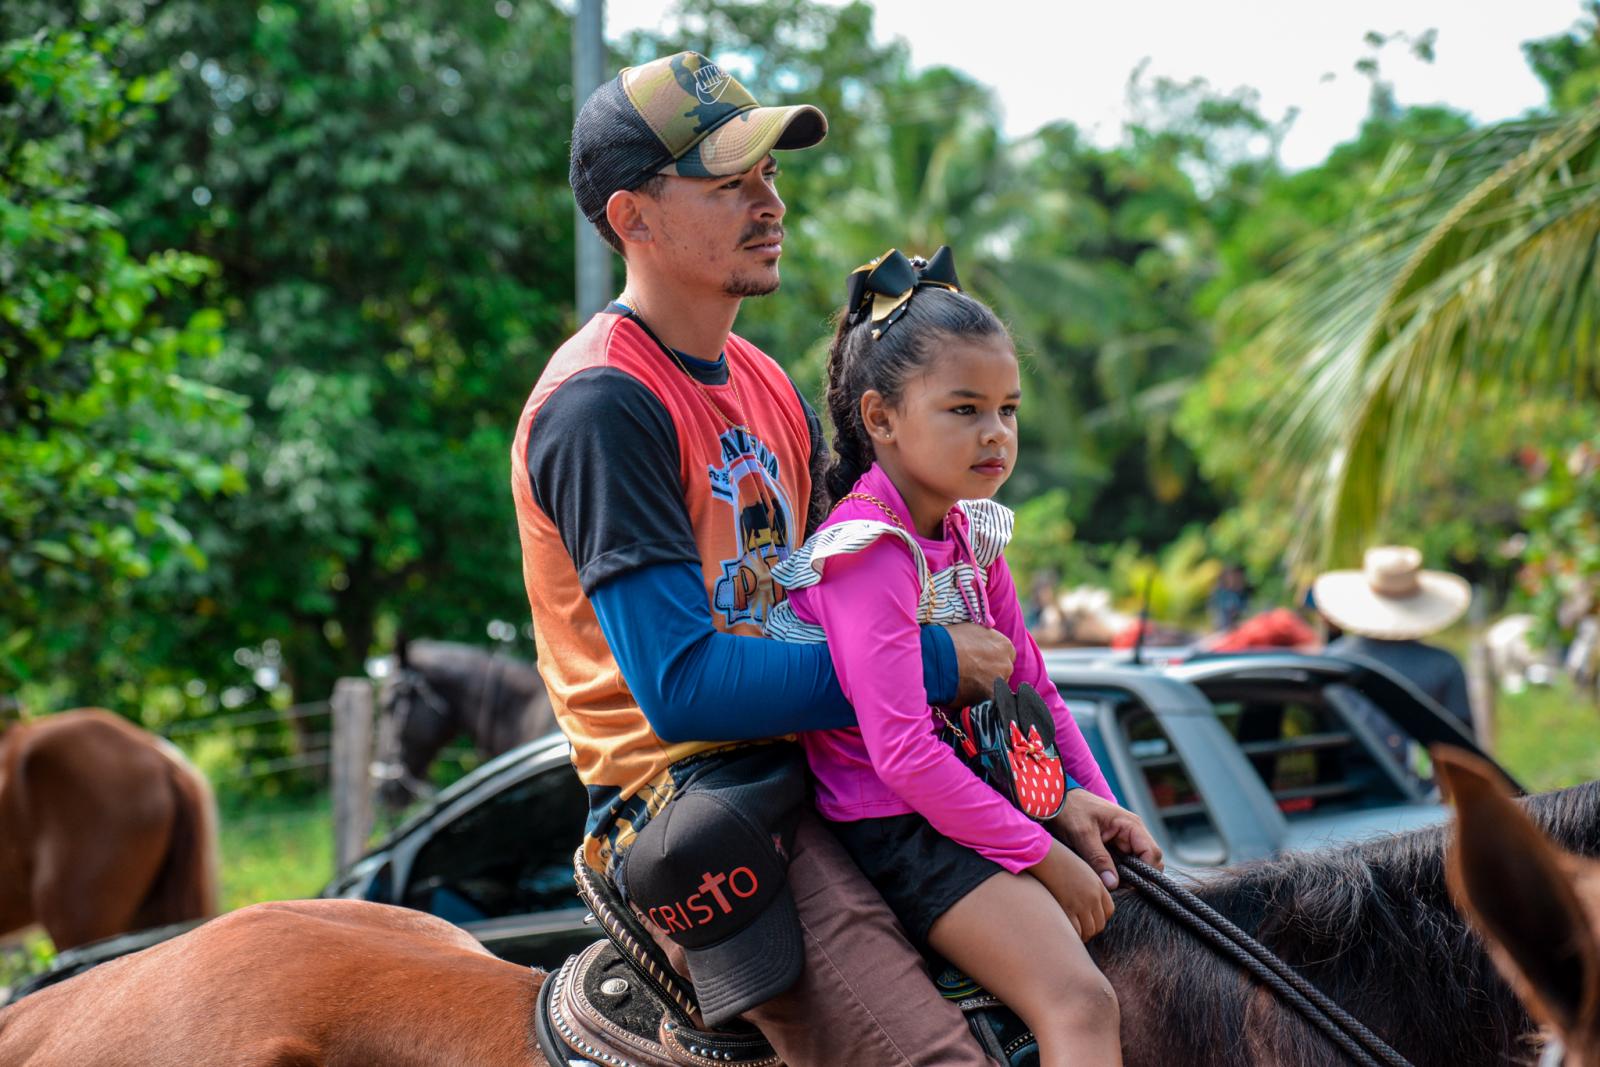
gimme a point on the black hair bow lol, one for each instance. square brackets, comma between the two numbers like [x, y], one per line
[882, 289]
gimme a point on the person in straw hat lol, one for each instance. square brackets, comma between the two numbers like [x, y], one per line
[1387, 608]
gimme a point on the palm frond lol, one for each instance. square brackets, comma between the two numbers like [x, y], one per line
[1472, 275]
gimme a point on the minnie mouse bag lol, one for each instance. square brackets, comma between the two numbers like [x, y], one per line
[1010, 743]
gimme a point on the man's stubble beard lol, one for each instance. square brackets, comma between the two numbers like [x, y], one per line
[739, 286]
[742, 286]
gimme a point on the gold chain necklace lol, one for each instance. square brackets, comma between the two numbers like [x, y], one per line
[868, 498]
[762, 490]
[705, 394]
[928, 586]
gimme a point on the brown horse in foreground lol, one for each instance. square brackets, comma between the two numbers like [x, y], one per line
[351, 984]
[302, 983]
[1539, 907]
[104, 828]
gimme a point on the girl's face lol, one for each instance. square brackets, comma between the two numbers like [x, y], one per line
[953, 434]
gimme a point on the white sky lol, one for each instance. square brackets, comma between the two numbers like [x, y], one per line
[1070, 59]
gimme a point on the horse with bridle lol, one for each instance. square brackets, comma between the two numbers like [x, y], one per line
[344, 982]
[440, 690]
[104, 828]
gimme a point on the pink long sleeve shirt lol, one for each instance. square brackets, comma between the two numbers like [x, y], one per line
[894, 763]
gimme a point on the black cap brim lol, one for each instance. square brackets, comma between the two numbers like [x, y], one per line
[751, 967]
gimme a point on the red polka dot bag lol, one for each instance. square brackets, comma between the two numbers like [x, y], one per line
[1010, 742]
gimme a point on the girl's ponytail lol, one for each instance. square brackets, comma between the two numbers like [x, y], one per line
[852, 452]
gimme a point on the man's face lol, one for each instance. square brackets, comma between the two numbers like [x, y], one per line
[724, 233]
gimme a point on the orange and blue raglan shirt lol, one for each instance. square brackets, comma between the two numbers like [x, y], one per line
[627, 459]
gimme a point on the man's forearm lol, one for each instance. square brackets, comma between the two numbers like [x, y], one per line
[696, 683]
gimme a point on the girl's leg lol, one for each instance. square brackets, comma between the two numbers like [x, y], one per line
[1011, 936]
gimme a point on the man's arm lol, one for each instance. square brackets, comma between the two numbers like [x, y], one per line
[696, 683]
[603, 461]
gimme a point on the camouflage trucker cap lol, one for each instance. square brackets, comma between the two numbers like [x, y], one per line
[680, 115]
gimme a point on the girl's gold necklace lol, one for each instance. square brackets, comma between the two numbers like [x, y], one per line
[867, 498]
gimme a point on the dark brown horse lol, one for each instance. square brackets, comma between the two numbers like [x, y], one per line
[333, 983]
[441, 690]
[104, 828]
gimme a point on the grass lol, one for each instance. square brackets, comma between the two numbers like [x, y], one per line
[18, 961]
[276, 849]
[1548, 736]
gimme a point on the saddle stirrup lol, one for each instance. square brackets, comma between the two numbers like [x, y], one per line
[592, 1012]
[618, 1003]
[634, 943]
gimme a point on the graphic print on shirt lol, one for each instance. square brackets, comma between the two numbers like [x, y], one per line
[763, 521]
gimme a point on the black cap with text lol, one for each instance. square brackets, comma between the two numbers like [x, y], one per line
[709, 877]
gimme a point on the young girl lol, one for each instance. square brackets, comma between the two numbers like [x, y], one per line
[923, 390]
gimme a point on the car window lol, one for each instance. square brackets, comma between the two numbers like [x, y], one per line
[509, 855]
[1191, 834]
[1306, 750]
[1089, 726]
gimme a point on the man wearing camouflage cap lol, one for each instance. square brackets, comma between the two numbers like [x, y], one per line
[661, 467]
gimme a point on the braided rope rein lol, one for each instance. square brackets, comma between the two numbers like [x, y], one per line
[1340, 1027]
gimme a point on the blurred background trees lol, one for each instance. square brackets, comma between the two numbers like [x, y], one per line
[104, 414]
[276, 278]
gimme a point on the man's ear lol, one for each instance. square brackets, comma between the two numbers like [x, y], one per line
[1517, 889]
[625, 213]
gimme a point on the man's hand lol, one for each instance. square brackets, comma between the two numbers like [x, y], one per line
[982, 655]
[1088, 824]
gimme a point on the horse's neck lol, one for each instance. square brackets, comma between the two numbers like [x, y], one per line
[474, 715]
[505, 703]
[490, 696]
[1384, 943]
[10, 733]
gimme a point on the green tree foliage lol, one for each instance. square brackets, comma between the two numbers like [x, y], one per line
[1569, 64]
[98, 366]
[1560, 575]
[382, 190]
[1464, 278]
[322, 271]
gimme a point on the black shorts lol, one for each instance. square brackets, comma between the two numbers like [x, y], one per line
[920, 872]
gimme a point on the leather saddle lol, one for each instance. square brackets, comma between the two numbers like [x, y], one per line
[619, 1003]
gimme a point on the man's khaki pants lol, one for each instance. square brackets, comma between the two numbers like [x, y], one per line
[864, 996]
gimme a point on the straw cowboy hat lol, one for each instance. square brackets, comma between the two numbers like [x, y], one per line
[1391, 598]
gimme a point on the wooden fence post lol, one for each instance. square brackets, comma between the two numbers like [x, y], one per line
[352, 761]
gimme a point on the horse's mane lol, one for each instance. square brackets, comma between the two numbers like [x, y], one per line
[1372, 924]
